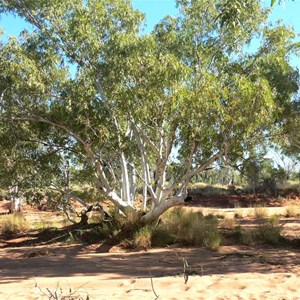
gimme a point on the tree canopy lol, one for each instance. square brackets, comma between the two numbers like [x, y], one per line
[126, 107]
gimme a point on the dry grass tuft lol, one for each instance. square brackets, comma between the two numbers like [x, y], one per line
[292, 211]
[11, 225]
[142, 237]
[260, 212]
[192, 228]
[228, 223]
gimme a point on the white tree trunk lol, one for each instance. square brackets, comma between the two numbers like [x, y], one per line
[15, 200]
[125, 180]
[132, 184]
[157, 211]
[145, 196]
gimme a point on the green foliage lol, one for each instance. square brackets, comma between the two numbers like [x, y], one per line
[91, 234]
[290, 137]
[262, 175]
[191, 82]
[238, 233]
[87, 191]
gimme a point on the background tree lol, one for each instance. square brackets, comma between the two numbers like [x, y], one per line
[137, 105]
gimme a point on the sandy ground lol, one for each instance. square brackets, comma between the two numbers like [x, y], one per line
[100, 272]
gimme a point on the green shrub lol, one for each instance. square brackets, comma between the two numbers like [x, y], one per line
[142, 237]
[243, 236]
[12, 225]
[176, 226]
[269, 231]
[213, 240]
[161, 237]
[90, 234]
[192, 228]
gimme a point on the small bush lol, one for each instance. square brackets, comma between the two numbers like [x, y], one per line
[192, 228]
[269, 231]
[177, 226]
[247, 238]
[161, 237]
[12, 225]
[142, 237]
[260, 212]
[243, 236]
[213, 240]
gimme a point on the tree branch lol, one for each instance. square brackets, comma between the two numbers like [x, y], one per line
[55, 124]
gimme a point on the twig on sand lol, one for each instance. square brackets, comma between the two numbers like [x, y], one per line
[152, 285]
[185, 265]
[59, 294]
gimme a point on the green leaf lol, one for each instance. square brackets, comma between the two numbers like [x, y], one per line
[273, 2]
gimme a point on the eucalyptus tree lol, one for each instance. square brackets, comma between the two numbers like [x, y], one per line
[154, 109]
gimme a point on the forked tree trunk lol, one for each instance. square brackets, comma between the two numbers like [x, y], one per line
[157, 211]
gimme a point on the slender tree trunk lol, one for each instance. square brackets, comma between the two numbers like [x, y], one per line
[132, 184]
[15, 200]
[125, 180]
